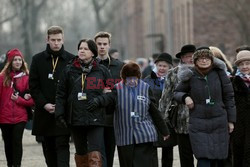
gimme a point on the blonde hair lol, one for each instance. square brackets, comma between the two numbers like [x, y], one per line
[8, 69]
[103, 34]
[220, 55]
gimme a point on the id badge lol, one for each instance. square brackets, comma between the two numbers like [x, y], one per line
[50, 76]
[207, 101]
[81, 96]
[134, 114]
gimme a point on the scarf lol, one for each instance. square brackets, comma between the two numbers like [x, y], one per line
[55, 53]
[244, 77]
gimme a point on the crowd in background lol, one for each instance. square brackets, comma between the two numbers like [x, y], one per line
[196, 100]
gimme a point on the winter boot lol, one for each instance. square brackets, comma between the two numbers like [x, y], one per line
[95, 159]
[81, 160]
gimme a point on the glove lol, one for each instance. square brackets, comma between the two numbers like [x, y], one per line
[60, 122]
[92, 104]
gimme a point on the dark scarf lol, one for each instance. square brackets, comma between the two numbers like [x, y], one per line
[86, 67]
[203, 71]
[55, 53]
[104, 62]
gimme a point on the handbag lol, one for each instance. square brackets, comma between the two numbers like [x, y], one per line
[173, 113]
[171, 124]
[170, 142]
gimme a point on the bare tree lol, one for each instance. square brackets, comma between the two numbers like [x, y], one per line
[29, 12]
[239, 10]
[104, 12]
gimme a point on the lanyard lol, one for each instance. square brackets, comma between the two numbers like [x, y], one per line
[109, 61]
[83, 81]
[209, 95]
[54, 64]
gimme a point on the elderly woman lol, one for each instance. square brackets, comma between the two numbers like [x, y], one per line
[241, 85]
[156, 81]
[135, 118]
[208, 93]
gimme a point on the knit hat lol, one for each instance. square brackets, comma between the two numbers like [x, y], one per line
[186, 49]
[164, 57]
[202, 52]
[12, 53]
[242, 56]
[130, 70]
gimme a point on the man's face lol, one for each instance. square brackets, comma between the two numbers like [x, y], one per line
[187, 58]
[55, 41]
[103, 46]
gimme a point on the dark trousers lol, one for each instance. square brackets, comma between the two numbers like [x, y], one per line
[203, 162]
[109, 143]
[185, 150]
[56, 150]
[13, 135]
[167, 156]
[88, 139]
[228, 162]
[136, 155]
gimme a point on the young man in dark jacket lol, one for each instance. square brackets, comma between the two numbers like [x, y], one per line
[45, 70]
[103, 42]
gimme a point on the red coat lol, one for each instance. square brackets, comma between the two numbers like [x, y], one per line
[12, 112]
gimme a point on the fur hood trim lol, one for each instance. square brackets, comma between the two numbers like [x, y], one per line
[186, 71]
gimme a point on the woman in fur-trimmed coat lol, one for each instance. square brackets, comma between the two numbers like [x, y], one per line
[208, 93]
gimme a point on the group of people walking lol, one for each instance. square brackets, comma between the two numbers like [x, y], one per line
[103, 103]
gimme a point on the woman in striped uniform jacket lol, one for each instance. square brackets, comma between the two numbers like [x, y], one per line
[136, 118]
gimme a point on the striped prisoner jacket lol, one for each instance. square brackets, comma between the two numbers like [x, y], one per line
[136, 115]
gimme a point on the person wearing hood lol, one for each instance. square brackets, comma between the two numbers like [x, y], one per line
[156, 81]
[83, 79]
[208, 93]
[45, 69]
[13, 102]
[241, 85]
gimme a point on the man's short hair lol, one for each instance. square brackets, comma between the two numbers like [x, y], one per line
[54, 30]
[103, 34]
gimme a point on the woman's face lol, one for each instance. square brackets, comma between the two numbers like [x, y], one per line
[132, 81]
[84, 53]
[17, 63]
[162, 68]
[203, 62]
[244, 67]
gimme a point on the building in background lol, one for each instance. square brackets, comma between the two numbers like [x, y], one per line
[142, 28]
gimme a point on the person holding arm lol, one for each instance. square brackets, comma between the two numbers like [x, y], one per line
[83, 79]
[135, 118]
[208, 93]
[13, 115]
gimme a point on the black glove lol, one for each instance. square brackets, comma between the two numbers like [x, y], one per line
[60, 122]
[92, 104]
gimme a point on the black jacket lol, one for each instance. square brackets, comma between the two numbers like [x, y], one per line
[114, 68]
[208, 123]
[67, 103]
[156, 85]
[43, 91]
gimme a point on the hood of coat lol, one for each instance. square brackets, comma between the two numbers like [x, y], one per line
[186, 71]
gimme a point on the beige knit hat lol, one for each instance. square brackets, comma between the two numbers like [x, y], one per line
[242, 56]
